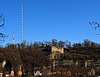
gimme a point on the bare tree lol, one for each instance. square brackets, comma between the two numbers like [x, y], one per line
[2, 22]
[96, 25]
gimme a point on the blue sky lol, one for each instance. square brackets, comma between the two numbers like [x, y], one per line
[49, 19]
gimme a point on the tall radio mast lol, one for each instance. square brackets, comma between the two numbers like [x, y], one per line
[22, 22]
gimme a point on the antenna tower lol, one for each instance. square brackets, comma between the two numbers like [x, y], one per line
[13, 38]
[22, 21]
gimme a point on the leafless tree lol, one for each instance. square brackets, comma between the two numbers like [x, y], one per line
[2, 22]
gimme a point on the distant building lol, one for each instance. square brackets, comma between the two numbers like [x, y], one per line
[57, 57]
[55, 49]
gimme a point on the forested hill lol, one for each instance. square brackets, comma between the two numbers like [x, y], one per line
[38, 53]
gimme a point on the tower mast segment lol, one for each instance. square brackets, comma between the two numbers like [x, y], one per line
[22, 22]
[13, 38]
